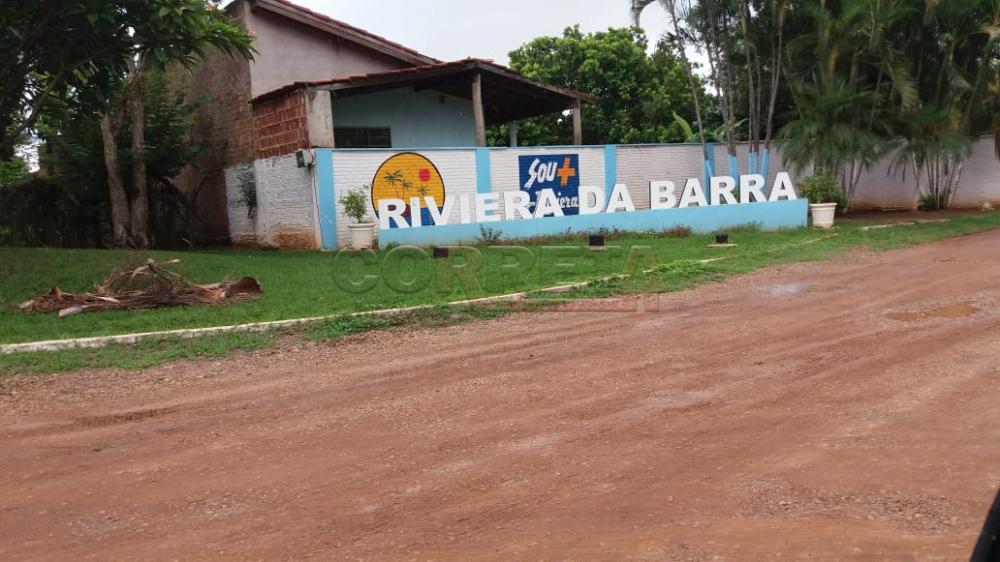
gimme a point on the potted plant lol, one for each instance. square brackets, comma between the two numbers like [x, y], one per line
[355, 205]
[824, 195]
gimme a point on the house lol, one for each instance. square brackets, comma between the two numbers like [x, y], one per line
[319, 82]
[326, 108]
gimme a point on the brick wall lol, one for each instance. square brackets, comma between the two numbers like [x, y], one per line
[280, 124]
[221, 85]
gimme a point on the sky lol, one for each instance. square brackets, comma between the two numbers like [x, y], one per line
[455, 29]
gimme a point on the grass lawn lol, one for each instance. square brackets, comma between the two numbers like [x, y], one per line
[302, 284]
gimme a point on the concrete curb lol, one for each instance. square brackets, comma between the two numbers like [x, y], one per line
[101, 341]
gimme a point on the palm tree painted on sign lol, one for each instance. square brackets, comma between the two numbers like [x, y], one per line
[423, 190]
[394, 178]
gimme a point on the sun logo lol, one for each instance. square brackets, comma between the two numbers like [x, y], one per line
[407, 175]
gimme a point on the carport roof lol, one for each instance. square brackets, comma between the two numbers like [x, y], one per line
[507, 94]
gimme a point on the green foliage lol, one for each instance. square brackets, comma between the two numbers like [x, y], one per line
[78, 52]
[355, 203]
[347, 325]
[685, 268]
[714, 135]
[919, 78]
[248, 190]
[852, 80]
[637, 94]
[69, 207]
[141, 355]
[929, 202]
[298, 284]
[13, 172]
[832, 129]
[822, 189]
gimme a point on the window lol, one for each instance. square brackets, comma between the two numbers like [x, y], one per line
[362, 137]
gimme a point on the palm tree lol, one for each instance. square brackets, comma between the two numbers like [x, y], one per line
[844, 64]
[957, 60]
[831, 132]
[930, 139]
[677, 37]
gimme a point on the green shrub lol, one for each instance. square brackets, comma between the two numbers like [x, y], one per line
[355, 203]
[929, 202]
[489, 236]
[823, 189]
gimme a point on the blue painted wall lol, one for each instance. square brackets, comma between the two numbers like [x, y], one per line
[770, 216]
[416, 119]
[325, 198]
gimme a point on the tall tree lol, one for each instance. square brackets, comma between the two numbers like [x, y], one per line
[677, 39]
[162, 32]
[742, 42]
[74, 159]
[91, 55]
[636, 91]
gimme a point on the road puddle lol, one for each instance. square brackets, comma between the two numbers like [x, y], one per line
[957, 310]
[786, 289]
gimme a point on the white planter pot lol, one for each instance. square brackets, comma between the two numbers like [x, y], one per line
[822, 214]
[362, 235]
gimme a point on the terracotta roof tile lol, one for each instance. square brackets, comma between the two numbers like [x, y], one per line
[425, 68]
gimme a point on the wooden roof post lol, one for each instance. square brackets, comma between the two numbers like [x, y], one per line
[478, 115]
[577, 122]
[513, 134]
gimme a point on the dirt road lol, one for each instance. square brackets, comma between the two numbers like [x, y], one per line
[838, 410]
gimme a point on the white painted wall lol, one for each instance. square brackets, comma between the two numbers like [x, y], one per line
[884, 187]
[287, 216]
[980, 182]
[880, 188]
[241, 229]
[640, 164]
[356, 168]
[505, 173]
[286, 207]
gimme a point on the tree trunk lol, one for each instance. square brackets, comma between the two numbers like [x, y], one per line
[140, 197]
[116, 188]
[775, 78]
[679, 44]
[753, 127]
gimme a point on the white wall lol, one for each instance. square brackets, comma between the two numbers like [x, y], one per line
[639, 164]
[356, 168]
[286, 207]
[880, 188]
[979, 184]
[241, 228]
[287, 216]
[505, 173]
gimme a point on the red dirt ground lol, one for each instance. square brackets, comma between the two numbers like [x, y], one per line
[837, 410]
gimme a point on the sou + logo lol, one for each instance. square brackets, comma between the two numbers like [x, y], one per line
[558, 172]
